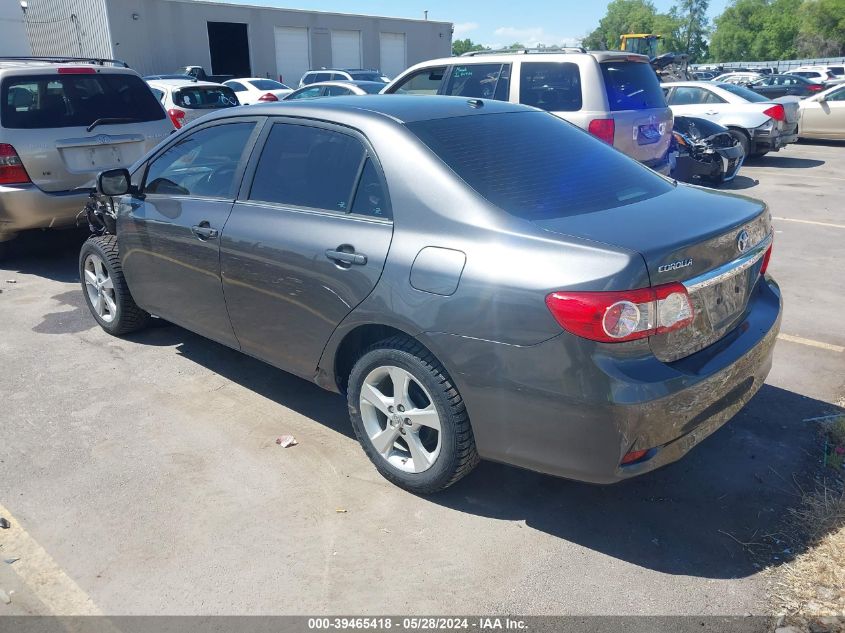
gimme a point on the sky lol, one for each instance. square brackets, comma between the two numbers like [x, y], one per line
[490, 22]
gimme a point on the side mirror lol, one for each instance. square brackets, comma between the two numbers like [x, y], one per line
[114, 182]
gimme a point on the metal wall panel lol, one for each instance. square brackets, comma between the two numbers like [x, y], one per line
[78, 28]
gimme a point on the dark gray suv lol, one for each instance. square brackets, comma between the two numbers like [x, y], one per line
[481, 279]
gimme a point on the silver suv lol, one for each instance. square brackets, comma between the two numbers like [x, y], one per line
[615, 96]
[61, 122]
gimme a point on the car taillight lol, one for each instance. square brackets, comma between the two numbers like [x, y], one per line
[12, 171]
[614, 317]
[776, 112]
[85, 70]
[815, 87]
[268, 97]
[766, 259]
[176, 116]
[603, 129]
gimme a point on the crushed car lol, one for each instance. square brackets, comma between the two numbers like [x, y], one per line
[706, 152]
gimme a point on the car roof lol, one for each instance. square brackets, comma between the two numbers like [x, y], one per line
[251, 79]
[398, 108]
[342, 82]
[180, 83]
[503, 57]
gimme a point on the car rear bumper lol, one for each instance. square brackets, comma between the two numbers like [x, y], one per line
[572, 408]
[24, 207]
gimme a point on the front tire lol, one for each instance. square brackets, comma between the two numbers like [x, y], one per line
[105, 289]
[409, 417]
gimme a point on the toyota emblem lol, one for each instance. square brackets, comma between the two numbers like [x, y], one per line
[743, 241]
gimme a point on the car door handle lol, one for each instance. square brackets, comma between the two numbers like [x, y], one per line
[347, 257]
[203, 231]
[711, 112]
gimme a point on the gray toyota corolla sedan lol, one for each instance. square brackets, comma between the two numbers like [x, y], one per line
[481, 279]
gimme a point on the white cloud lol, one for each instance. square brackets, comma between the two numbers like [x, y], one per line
[463, 28]
[532, 36]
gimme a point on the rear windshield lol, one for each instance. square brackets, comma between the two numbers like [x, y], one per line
[745, 93]
[632, 86]
[268, 84]
[205, 97]
[536, 166]
[54, 101]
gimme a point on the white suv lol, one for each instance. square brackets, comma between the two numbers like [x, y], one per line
[613, 95]
[341, 74]
[62, 121]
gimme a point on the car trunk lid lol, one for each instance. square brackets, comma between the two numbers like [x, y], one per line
[687, 236]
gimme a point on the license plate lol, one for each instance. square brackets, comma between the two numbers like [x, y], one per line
[100, 157]
[726, 300]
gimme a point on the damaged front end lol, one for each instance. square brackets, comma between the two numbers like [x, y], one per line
[706, 152]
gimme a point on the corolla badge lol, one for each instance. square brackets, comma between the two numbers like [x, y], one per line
[743, 241]
[683, 263]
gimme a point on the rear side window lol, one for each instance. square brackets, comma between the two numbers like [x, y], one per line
[370, 197]
[306, 166]
[322, 77]
[366, 76]
[205, 97]
[745, 93]
[693, 95]
[480, 81]
[204, 163]
[631, 86]
[548, 169]
[306, 93]
[55, 101]
[422, 82]
[555, 87]
[337, 91]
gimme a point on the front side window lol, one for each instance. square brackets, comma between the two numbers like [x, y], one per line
[305, 166]
[551, 86]
[838, 95]
[205, 97]
[337, 91]
[631, 86]
[479, 81]
[76, 100]
[268, 84]
[203, 164]
[322, 77]
[422, 82]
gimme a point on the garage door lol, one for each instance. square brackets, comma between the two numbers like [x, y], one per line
[346, 49]
[293, 57]
[393, 59]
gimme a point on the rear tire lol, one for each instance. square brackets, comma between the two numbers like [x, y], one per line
[105, 289]
[411, 421]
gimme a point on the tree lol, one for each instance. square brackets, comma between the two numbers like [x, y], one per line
[623, 16]
[693, 27]
[756, 30]
[459, 47]
[822, 28]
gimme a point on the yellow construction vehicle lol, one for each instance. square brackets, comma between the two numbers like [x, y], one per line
[640, 43]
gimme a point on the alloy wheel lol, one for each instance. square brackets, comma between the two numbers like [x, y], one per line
[100, 288]
[400, 419]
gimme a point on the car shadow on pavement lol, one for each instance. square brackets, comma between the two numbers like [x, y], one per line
[785, 161]
[48, 254]
[716, 513]
[739, 183]
[287, 390]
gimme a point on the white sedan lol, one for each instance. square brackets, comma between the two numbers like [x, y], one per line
[757, 123]
[258, 90]
[823, 115]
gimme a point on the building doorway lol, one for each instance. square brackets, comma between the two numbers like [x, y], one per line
[229, 46]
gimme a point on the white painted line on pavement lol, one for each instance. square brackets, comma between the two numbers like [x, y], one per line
[836, 226]
[811, 343]
[50, 584]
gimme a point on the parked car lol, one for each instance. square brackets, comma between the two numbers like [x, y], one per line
[703, 76]
[186, 101]
[615, 96]
[351, 238]
[774, 86]
[198, 73]
[823, 116]
[60, 124]
[336, 89]
[342, 74]
[760, 125]
[257, 90]
[820, 75]
[707, 153]
[738, 78]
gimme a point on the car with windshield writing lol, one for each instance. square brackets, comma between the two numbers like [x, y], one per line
[187, 101]
[579, 315]
[613, 95]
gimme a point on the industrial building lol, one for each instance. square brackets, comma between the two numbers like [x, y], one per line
[159, 36]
